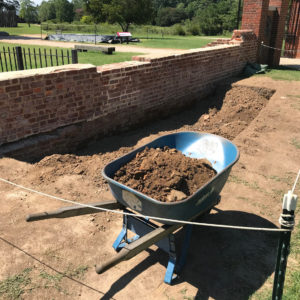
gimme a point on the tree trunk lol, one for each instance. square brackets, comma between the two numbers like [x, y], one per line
[125, 27]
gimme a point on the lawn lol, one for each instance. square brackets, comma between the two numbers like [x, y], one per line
[95, 58]
[283, 73]
[150, 36]
[176, 42]
[22, 29]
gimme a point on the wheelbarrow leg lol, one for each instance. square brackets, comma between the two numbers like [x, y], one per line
[141, 227]
[174, 268]
[185, 248]
[172, 261]
[122, 238]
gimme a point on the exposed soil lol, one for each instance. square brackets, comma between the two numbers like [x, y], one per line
[221, 264]
[165, 174]
[228, 112]
[239, 107]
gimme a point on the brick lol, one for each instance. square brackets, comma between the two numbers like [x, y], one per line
[37, 90]
[121, 92]
[12, 88]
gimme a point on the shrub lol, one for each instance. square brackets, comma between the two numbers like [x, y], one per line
[179, 30]
[193, 29]
[87, 20]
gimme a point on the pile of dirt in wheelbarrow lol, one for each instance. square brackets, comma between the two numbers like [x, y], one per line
[165, 174]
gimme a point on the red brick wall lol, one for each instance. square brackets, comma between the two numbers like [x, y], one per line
[255, 16]
[297, 43]
[255, 13]
[292, 41]
[116, 96]
[282, 7]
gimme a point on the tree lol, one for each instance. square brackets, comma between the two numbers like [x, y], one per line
[215, 17]
[28, 11]
[46, 11]
[8, 17]
[9, 5]
[168, 16]
[96, 9]
[123, 12]
[79, 9]
[64, 10]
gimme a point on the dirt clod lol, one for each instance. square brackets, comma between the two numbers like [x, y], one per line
[165, 174]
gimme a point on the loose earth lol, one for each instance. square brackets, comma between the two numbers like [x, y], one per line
[165, 174]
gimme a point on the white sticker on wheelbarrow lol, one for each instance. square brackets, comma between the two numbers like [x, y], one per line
[132, 200]
[210, 148]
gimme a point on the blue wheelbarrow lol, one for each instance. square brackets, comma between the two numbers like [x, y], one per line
[222, 155]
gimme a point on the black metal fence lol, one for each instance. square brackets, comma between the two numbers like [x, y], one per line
[20, 58]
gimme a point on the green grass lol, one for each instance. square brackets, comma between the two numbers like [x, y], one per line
[22, 29]
[175, 42]
[295, 143]
[150, 36]
[99, 58]
[13, 287]
[140, 31]
[283, 73]
[95, 58]
[29, 279]
[251, 185]
[55, 280]
[292, 289]
[51, 281]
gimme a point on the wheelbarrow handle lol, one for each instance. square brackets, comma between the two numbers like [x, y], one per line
[112, 262]
[72, 211]
[40, 216]
[134, 248]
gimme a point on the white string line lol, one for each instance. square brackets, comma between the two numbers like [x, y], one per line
[294, 186]
[262, 44]
[140, 215]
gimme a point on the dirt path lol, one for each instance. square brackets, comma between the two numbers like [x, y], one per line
[36, 40]
[292, 63]
[222, 264]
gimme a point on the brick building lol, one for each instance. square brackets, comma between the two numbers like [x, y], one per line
[268, 20]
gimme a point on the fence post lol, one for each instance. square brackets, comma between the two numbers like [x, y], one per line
[287, 221]
[19, 58]
[74, 57]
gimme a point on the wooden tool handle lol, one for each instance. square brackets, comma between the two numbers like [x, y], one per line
[38, 216]
[112, 262]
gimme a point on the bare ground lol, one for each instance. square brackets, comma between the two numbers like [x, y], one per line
[222, 264]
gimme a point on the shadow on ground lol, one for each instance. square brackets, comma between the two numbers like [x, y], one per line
[18, 37]
[222, 263]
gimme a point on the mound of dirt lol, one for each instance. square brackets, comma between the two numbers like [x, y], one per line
[225, 113]
[230, 113]
[165, 174]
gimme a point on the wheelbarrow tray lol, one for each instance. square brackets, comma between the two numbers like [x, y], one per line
[222, 154]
